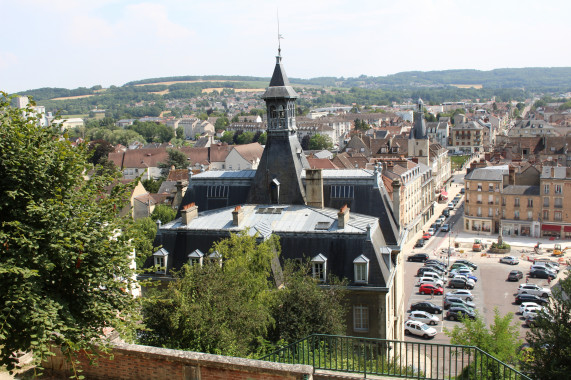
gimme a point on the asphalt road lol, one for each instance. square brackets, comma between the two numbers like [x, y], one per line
[492, 289]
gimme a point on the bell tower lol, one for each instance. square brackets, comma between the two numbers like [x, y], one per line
[278, 177]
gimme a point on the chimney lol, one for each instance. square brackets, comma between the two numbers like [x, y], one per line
[342, 217]
[314, 187]
[189, 212]
[178, 195]
[553, 172]
[237, 216]
[396, 200]
[511, 178]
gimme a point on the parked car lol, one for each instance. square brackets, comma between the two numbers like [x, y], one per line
[433, 275]
[535, 290]
[477, 246]
[543, 264]
[515, 275]
[525, 305]
[419, 328]
[431, 231]
[531, 312]
[435, 268]
[455, 271]
[456, 313]
[424, 317]
[426, 236]
[450, 206]
[430, 289]
[460, 283]
[437, 262]
[471, 279]
[445, 228]
[441, 219]
[467, 263]
[462, 191]
[421, 257]
[448, 301]
[541, 273]
[446, 212]
[430, 280]
[459, 266]
[422, 270]
[429, 307]
[509, 260]
[460, 293]
[520, 298]
[530, 321]
[419, 243]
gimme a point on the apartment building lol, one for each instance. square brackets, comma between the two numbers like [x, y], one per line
[519, 201]
[468, 137]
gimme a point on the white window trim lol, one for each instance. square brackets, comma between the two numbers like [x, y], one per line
[215, 257]
[319, 260]
[360, 262]
[161, 261]
[360, 318]
[196, 256]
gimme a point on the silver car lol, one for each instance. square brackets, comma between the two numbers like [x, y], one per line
[509, 260]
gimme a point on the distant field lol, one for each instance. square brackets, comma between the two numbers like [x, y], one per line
[477, 86]
[80, 116]
[219, 89]
[184, 81]
[72, 97]
[160, 92]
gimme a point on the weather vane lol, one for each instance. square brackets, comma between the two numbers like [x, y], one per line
[280, 37]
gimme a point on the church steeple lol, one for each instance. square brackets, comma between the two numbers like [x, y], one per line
[278, 177]
[418, 130]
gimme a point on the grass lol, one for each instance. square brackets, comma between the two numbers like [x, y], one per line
[458, 161]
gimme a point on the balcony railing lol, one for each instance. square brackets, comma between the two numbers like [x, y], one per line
[394, 358]
[479, 202]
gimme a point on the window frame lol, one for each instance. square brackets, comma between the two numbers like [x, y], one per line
[361, 270]
[361, 318]
[319, 268]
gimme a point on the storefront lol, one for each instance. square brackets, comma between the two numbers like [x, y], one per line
[551, 230]
[478, 225]
[519, 228]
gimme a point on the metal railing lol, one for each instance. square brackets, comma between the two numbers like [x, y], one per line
[394, 358]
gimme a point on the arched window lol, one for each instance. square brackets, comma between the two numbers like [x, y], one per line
[273, 113]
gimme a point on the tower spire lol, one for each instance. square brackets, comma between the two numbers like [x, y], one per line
[279, 36]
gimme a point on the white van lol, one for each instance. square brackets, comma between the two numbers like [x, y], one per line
[431, 281]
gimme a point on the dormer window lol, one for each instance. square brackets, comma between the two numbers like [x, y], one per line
[195, 257]
[319, 267]
[361, 269]
[161, 260]
[215, 257]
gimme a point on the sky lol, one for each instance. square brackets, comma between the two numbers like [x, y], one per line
[83, 43]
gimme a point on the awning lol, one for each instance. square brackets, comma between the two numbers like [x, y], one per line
[567, 228]
[550, 227]
[442, 192]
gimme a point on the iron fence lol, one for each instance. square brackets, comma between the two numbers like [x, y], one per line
[394, 358]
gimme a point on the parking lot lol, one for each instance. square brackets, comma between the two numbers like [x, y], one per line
[492, 290]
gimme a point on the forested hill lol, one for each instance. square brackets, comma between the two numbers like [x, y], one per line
[532, 78]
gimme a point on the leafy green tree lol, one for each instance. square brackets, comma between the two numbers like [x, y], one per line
[500, 340]
[549, 356]
[99, 150]
[176, 159]
[302, 307]
[319, 141]
[227, 137]
[143, 231]
[263, 139]
[221, 123]
[164, 213]
[213, 308]
[152, 185]
[64, 251]
[235, 119]
[245, 138]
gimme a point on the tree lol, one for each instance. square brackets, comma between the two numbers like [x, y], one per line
[176, 159]
[245, 138]
[221, 123]
[302, 307]
[227, 137]
[501, 340]
[263, 139]
[549, 356]
[152, 185]
[319, 141]
[64, 251]
[305, 142]
[99, 150]
[144, 232]
[216, 309]
[361, 125]
[164, 213]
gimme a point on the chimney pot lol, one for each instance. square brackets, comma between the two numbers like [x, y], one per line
[237, 215]
[343, 217]
[189, 212]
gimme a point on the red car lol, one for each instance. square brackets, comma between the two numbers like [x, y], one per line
[430, 289]
[426, 236]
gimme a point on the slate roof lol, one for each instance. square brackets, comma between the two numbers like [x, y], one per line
[279, 84]
[490, 173]
[521, 190]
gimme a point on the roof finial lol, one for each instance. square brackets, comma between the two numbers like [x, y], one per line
[279, 35]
